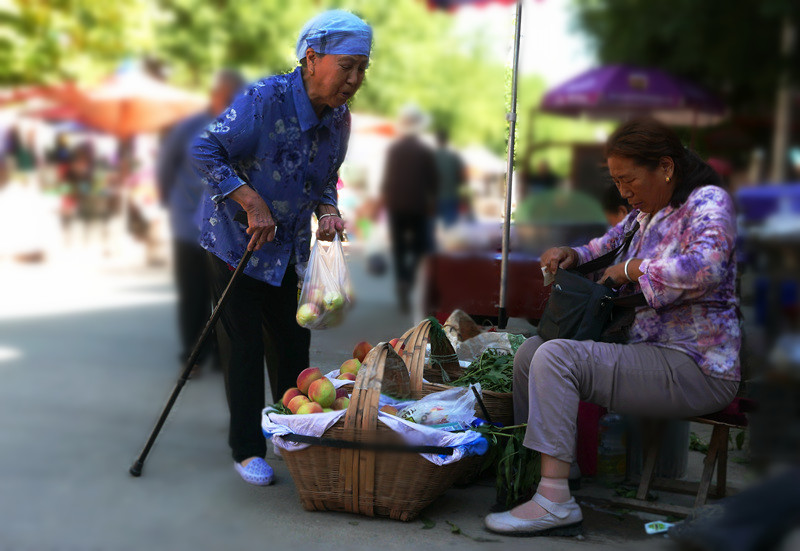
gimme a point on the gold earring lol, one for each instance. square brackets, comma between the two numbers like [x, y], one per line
[667, 179]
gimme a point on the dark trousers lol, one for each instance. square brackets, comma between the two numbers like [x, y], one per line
[411, 240]
[194, 294]
[257, 322]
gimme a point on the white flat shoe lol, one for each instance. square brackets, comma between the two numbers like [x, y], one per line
[562, 519]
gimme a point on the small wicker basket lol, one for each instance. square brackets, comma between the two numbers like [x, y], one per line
[353, 467]
[412, 346]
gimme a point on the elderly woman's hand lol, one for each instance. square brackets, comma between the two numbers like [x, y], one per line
[559, 257]
[329, 226]
[260, 224]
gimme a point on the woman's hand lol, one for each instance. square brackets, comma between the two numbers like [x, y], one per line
[260, 224]
[559, 257]
[616, 273]
[329, 226]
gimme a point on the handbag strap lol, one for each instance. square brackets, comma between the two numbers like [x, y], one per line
[605, 261]
[629, 301]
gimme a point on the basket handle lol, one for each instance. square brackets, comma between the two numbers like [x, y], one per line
[413, 353]
[383, 370]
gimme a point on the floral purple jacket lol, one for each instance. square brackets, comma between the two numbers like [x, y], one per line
[689, 278]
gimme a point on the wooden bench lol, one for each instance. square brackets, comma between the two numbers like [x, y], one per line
[732, 417]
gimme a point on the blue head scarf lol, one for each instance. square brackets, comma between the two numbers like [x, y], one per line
[335, 32]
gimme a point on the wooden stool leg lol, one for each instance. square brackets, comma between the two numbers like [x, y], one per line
[650, 461]
[719, 438]
[722, 466]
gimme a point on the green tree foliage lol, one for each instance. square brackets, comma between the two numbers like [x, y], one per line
[731, 46]
[418, 56]
[49, 41]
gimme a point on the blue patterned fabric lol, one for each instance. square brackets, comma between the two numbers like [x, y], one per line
[270, 139]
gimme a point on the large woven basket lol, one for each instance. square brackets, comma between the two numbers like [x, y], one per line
[371, 481]
[412, 346]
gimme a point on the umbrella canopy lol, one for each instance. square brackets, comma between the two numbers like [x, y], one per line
[132, 103]
[65, 93]
[623, 91]
[53, 111]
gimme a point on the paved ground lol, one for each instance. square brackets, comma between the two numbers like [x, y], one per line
[87, 358]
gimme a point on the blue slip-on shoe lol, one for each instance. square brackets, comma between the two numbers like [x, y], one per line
[257, 472]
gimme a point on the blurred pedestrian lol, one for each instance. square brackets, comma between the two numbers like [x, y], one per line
[452, 176]
[274, 157]
[59, 156]
[181, 191]
[614, 206]
[543, 179]
[409, 194]
[23, 149]
[76, 200]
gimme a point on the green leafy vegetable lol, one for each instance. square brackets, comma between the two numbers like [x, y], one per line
[494, 370]
[740, 440]
[697, 444]
[518, 468]
[454, 529]
[280, 408]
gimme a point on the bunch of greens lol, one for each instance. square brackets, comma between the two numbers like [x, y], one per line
[280, 408]
[518, 468]
[494, 370]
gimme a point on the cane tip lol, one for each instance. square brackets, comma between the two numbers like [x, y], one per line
[136, 469]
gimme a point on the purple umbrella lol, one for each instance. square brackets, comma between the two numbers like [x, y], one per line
[622, 91]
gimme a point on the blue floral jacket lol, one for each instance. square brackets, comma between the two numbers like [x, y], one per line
[270, 139]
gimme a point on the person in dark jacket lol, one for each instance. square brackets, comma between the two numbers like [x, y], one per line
[409, 194]
[181, 192]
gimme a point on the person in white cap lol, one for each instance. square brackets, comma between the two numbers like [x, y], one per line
[275, 155]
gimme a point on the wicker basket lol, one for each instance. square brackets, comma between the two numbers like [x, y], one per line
[412, 345]
[371, 481]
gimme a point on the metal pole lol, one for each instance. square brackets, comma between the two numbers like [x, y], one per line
[502, 316]
[783, 107]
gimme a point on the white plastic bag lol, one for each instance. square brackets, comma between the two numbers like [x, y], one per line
[327, 292]
[448, 406]
[471, 349]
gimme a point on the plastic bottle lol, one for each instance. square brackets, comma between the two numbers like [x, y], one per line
[611, 453]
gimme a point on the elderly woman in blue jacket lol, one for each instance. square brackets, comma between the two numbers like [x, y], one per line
[274, 154]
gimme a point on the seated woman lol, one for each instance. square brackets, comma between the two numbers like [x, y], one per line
[682, 357]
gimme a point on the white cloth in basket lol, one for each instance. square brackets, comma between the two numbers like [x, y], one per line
[275, 425]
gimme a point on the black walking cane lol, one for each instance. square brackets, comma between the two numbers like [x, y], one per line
[136, 468]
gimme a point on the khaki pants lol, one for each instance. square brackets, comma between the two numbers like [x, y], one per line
[551, 378]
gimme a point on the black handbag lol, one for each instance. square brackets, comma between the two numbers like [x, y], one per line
[580, 309]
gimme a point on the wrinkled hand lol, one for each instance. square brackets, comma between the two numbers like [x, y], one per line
[329, 227]
[260, 224]
[558, 257]
[616, 274]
